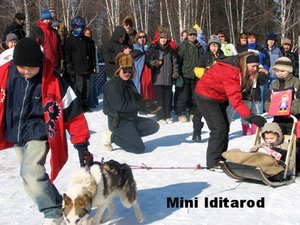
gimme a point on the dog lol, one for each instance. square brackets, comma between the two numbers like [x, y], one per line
[97, 187]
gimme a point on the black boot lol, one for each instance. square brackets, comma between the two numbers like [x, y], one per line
[196, 137]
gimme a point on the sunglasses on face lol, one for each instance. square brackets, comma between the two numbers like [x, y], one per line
[142, 37]
[221, 36]
[127, 70]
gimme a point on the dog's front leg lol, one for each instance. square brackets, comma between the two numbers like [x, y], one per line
[110, 210]
[137, 211]
[95, 220]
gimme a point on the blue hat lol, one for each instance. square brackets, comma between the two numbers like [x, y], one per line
[78, 21]
[46, 15]
[271, 36]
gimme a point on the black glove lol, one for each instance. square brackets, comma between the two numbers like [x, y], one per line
[85, 157]
[257, 120]
[148, 106]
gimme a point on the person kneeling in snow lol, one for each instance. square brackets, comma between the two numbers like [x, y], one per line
[269, 156]
[121, 103]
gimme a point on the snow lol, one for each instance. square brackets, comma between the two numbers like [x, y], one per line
[170, 147]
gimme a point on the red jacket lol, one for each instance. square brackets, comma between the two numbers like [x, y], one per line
[54, 96]
[50, 41]
[223, 82]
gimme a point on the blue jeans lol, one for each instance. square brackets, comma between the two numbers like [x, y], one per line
[32, 157]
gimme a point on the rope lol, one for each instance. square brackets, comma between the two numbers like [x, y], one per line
[145, 167]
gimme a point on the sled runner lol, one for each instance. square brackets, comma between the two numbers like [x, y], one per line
[244, 172]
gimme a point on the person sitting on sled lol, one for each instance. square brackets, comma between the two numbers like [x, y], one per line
[269, 156]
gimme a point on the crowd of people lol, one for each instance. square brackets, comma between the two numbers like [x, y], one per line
[49, 78]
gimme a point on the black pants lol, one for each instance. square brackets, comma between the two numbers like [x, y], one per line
[216, 118]
[185, 97]
[82, 89]
[129, 132]
[163, 94]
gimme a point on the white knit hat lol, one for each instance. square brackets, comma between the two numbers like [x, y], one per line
[283, 63]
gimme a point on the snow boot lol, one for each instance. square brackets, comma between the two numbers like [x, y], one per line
[106, 140]
[254, 128]
[246, 129]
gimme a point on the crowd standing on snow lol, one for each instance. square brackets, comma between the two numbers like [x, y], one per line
[49, 78]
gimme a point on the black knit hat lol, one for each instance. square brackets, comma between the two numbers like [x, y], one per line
[20, 16]
[28, 53]
[253, 58]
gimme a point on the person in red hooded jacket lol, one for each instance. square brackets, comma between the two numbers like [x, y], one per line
[49, 39]
[36, 107]
[221, 83]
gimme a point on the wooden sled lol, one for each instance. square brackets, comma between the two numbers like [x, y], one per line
[244, 172]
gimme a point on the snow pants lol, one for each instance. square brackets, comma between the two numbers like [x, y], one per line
[216, 119]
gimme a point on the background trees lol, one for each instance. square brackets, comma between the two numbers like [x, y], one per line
[259, 16]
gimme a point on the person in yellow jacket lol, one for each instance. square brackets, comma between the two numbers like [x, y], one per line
[213, 53]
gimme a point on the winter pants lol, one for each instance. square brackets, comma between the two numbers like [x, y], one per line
[32, 157]
[216, 118]
[129, 132]
[82, 87]
[185, 97]
[163, 94]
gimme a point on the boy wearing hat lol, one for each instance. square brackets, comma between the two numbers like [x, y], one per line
[48, 38]
[79, 61]
[33, 118]
[224, 82]
[283, 69]
[121, 103]
[17, 27]
[11, 40]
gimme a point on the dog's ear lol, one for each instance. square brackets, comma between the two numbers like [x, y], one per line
[66, 199]
[81, 201]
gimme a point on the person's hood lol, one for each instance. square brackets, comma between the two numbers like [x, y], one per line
[119, 31]
[273, 127]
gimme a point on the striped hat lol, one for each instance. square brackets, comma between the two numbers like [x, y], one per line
[283, 63]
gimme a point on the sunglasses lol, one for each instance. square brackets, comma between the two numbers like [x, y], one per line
[127, 70]
[142, 37]
[221, 36]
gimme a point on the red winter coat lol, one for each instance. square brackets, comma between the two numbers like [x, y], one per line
[50, 40]
[54, 94]
[223, 82]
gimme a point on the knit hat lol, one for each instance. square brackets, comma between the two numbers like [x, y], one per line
[55, 23]
[20, 16]
[252, 58]
[283, 63]
[214, 39]
[28, 53]
[123, 61]
[78, 21]
[286, 41]
[46, 15]
[271, 36]
[192, 31]
[51, 9]
[10, 37]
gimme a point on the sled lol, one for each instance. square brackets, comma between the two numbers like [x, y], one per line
[248, 173]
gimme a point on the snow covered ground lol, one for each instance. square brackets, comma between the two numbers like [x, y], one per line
[170, 147]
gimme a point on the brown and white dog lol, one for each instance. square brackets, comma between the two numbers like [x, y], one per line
[96, 188]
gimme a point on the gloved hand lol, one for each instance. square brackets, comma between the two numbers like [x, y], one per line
[175, 75]
[257, 120]
[85, 157]
[148, 106]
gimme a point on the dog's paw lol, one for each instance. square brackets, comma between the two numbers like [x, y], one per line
[141, 218]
